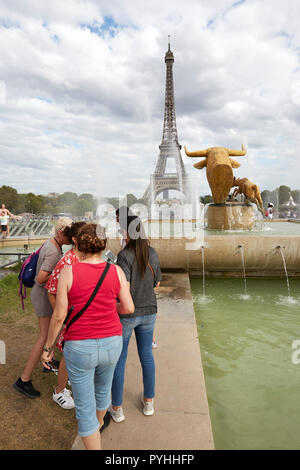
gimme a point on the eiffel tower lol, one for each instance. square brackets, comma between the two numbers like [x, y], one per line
[161, 181]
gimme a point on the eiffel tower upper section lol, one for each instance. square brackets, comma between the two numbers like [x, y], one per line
[170, 147]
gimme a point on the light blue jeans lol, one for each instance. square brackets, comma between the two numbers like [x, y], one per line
[90, 364]
[143, 327]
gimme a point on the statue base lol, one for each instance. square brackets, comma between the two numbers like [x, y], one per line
[230, 216]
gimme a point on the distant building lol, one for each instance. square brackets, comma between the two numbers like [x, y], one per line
[53, 195]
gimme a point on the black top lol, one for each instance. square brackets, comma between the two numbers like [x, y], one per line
[141, 288]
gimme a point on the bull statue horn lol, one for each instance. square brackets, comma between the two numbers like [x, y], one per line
[237, 153]
[198, 153]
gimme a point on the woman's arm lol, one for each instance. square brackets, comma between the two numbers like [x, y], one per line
[126, 304]
[43, 276]
[48, 264]
[52, 300]
[60, 311]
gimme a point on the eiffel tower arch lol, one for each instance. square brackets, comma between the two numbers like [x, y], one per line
[162, 181]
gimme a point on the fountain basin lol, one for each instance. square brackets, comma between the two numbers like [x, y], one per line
[250, 361]
[230, 216]
[222, 254]
[262, 257]
[21, 241]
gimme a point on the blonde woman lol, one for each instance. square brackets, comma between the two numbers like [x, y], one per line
[50, 254]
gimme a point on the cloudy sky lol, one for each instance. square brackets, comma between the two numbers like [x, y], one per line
[82, 90]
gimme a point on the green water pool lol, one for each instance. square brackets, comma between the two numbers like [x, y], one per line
[249, 358]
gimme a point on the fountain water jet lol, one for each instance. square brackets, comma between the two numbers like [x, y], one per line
[244, 271]
[285, 270]
[203, 271]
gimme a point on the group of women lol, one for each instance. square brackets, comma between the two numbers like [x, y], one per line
[101, 305]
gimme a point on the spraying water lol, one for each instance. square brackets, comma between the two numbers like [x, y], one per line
[285, 270]
[244, 271]
[203, 271]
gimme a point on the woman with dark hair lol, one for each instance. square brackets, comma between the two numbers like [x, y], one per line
[140, 264]
[93, 340]
[61, 394]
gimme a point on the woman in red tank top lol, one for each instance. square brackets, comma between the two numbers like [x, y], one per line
[93, 341]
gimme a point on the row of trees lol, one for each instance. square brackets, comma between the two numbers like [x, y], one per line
[77, 205]
[68, 202]
[128, 201]
[38, 204]
[277, 196]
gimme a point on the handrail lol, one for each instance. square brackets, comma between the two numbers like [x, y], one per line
[19, 255]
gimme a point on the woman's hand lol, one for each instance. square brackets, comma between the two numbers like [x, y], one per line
[47, 357]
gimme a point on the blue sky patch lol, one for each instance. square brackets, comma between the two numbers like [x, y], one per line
[109, 26]
[72, 143]
[7, 23]
[51, 131]
[43, 98]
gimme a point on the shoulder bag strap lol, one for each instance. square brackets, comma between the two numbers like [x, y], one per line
[90, 299]
[151, 269]
[153, 275]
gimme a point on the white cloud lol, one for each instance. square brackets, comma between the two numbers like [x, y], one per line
[84, 90]
[2, 92]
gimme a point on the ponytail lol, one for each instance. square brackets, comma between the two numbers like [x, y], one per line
[138, 242]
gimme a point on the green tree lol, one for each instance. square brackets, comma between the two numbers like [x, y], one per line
[80, 207]
[296, 195]
[284, 193]
[66, 201]
[34, 204]
[90, 200]
[9, 197]
[265, 195]
[131, 199]
[206, 199]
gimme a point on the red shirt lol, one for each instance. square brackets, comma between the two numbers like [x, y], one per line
[101, 319]
[67, 260]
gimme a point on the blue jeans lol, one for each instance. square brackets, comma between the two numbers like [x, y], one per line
[90, 364]
[143, 327]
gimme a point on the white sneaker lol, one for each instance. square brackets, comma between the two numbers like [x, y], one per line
[154, 345]
[148, 409]
[64, 399]
[117, 415]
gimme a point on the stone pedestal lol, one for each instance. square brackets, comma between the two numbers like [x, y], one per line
[230, 216]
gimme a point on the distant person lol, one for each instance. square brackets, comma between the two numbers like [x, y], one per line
[3, 221]
[61, 395]
[7, 215]
[93, 342]
[270, 209]
[49, 255]
[141, 266]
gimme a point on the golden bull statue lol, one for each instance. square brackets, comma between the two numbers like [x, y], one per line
[218, 169]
